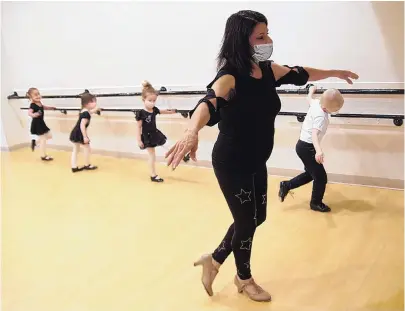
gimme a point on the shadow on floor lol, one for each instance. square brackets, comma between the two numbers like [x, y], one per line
[356, 206]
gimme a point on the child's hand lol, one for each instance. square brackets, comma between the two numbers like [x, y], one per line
[312, 89]
[311, 93]
[37, 114]
[319, 157]
[86, 140]
[140, 144]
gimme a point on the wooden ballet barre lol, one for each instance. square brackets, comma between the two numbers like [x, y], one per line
[163, 91]
[398, 119]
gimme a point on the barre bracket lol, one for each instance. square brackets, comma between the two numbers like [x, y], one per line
[300, 118]
[398, 121]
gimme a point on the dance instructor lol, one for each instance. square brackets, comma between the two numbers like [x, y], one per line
[243, 100]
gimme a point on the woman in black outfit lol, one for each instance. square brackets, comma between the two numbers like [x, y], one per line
[243, 100]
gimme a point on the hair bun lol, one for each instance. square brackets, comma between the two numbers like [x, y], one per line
[146, 84]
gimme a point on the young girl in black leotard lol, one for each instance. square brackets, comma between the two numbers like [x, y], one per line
[148, 136]
[38, 126]
[79, 136]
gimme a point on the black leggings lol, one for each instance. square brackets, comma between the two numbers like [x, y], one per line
[313, 172]
[246, 195]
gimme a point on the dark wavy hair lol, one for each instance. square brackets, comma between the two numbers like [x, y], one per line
[236, 51]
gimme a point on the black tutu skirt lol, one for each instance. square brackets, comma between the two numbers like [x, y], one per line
[76, 136]
[38, 127]
[153, 139]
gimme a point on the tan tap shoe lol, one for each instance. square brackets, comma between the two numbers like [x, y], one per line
[251, 289]
[209, 272]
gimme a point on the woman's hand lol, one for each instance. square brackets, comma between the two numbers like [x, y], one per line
[189, 143]
[86, 140]
[346, 75]
[320, 74]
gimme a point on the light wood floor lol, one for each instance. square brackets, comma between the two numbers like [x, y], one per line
[110, 240]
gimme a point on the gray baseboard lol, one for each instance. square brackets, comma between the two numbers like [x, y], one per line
[346, 179]
[15, 147]
[332, 178]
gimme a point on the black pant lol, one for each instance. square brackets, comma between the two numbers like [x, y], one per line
[313, 172]
[246, 195]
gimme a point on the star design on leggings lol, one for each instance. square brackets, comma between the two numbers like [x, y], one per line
[247, 264]
[246, 244]
[221, 247]
[264, 199]
[244, 196]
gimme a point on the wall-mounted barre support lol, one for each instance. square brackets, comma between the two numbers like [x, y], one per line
[163, 91]
[398, 119]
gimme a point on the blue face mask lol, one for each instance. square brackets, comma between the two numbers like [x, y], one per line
[262, 52]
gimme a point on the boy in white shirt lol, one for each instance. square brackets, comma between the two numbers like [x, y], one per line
[309, 149]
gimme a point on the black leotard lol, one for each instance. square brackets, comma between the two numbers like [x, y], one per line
[246, 128]
[246, 120]
[38, 126]
[76, 135]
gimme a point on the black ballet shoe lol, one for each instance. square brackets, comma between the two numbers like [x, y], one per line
[186, 158]
[47, 158]
[89, 167]
[156, 179]
[323, 208]
[33, 144]
[77, 169]
[282, 193]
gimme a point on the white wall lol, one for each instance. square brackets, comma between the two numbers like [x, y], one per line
[12, 124]
[106, 44]
[3, 140]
